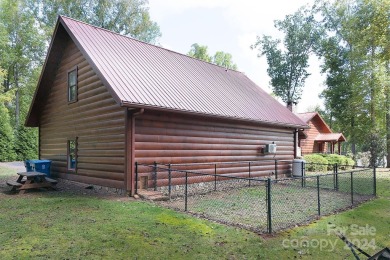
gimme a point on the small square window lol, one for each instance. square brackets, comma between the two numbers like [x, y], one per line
[72, 154]
[72, 86]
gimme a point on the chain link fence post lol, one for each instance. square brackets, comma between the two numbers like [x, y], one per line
[334, 177]
[337, 181]
[186, 193]
[269, 206]
[318, 196]
[374, 181]
[169, 180]
[215, 177]
[303, 174]
[276, 169]
[136, 177]
[249, 171]
[155, 175]
[352, 188]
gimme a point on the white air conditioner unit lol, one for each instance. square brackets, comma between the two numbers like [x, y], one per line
[270, 148]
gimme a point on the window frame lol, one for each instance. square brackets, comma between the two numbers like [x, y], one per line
[68, 153]
[74, 69]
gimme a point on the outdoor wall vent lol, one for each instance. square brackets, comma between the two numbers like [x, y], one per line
[270, 148]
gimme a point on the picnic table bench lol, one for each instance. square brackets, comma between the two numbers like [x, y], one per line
[31, 180]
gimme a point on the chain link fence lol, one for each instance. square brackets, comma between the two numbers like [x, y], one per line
[258, 203]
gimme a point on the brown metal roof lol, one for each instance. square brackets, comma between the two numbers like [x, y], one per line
[333, 137]
[306, 117]
[139, 74]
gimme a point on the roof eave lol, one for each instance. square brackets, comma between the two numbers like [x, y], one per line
[188, 112]
[340, 138]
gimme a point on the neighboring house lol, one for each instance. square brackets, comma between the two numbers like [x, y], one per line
[319, 138]
[105, 101]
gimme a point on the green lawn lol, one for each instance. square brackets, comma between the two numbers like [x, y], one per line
[57, 225]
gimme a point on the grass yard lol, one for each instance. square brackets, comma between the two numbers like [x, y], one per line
[59, 225]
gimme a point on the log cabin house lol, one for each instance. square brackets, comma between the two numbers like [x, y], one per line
[319, 138]
[105, 101]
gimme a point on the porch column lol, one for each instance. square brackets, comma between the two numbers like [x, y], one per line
[338, 144]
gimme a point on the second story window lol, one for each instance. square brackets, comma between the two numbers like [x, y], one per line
[72, 86]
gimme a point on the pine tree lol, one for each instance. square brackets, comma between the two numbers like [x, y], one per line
[26, 143]
[6, 136]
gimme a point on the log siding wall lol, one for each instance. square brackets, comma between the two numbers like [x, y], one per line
[171, 138]
[95, 119]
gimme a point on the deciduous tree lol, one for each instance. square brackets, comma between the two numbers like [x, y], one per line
[220, 58]
[355, 49]
[199, 52]
[224, 59]
[287, 65]
[25, 30]
[127, 17]
[22, 52]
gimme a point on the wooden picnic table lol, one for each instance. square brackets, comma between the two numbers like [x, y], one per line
[31, 180]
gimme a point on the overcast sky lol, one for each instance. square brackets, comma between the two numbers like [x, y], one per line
[231, 26]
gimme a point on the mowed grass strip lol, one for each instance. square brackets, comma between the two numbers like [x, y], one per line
[47, 225]
[89, 228]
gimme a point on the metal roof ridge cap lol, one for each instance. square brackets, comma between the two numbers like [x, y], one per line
[153, 45]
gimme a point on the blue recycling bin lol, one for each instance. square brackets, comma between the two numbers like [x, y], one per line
[27, 164]
[41, 166]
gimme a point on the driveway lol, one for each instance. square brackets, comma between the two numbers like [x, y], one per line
[18, 166]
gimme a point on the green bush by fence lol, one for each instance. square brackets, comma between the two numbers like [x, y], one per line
[313, 159]
[329, 159]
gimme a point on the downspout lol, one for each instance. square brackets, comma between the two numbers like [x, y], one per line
[130, 178]
[39, 141]
[295, 142]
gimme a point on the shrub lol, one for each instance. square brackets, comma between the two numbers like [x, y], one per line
[344, 162]
[349, 162]
[330, 159]
[312, 160]
[335, 158]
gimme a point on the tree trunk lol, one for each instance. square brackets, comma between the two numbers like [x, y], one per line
[353, 145]
[17, 98]
[290, 105]
[388, 130]
[17, 108]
